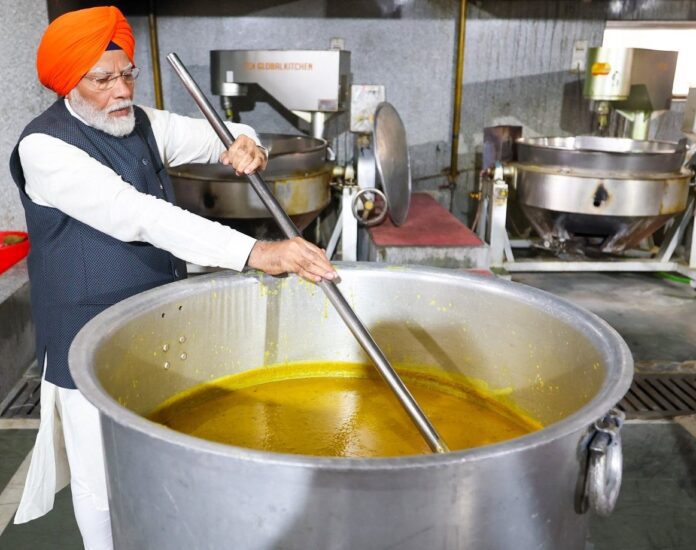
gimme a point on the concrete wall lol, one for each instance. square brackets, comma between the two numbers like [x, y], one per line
[21, 26]
[518, 53]
[411, 57]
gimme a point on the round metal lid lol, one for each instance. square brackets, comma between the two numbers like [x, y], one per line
[392, 160]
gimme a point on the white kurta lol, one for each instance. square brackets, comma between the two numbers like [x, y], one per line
[61, 176]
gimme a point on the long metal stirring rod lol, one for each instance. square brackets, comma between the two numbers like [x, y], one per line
[334, 295]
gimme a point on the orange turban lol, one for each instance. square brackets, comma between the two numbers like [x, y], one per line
[75, 41]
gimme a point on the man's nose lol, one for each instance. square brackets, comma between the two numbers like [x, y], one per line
[122, 90]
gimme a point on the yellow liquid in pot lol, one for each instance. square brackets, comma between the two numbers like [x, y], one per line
[339, 410]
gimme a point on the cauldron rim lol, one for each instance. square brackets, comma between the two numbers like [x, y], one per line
[609, 344]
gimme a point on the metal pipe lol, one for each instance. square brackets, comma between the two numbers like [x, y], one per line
[458, 83]
[154, 56]
[318, 122]
[334, 295]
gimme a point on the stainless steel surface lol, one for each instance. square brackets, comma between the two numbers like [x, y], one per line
[233, 198]
[337, 299]
[297, 173]
[618, 189]
[367, 168]
[289, 155]
[349, 226]
[500, 144]
[301, 80]
[393, 161]
[677, 232]
[647, 76]
[558, 266]
[562, 364]
[497, 192]
[577, 192]
[605, 464]
[689, 123]
[335, 236]
[602, 154]
[692, 251]
[318, 120]
[608, 73]
[364, 207]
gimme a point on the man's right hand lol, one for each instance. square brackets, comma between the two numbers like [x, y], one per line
[292, 256]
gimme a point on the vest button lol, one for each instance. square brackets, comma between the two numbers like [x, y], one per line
[145, 162]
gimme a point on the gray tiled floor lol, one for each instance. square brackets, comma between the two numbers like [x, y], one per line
[656, 317]
[57, 530]
[14, 446]
[657, 504]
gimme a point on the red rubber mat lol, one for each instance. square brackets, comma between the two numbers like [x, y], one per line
[428, 224]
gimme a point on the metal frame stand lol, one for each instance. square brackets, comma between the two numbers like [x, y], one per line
[491, 228]
[346, 228]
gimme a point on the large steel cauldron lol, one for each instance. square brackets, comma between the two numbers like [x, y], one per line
[297, 173]
[168, 490]
[618, 189]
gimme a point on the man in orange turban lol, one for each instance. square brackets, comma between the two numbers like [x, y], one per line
[99, 208]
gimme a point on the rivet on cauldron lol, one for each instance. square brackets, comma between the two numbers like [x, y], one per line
[183, 356]
[165, 347]
[166, 364]
[182, 339]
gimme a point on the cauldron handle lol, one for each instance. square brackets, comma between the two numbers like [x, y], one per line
[605, 464]
[334, 295]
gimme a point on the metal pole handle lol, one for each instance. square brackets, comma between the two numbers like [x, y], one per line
[334, 295]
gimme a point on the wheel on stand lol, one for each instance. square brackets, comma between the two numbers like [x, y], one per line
[369, 206]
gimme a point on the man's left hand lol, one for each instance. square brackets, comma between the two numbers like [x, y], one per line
[244, 156]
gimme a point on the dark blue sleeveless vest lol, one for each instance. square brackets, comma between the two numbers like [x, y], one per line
[75, 270]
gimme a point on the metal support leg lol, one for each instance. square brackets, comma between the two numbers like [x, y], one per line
[676, 233]
[335, 236]
[692, 252]
[349, 235]
[498, 214]
[509, 256]
[482, 227]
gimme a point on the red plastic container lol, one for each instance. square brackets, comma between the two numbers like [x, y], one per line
[10, 254]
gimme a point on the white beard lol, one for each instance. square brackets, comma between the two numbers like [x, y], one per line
[100, 119]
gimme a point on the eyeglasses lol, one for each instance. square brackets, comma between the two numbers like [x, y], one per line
[108, 81]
